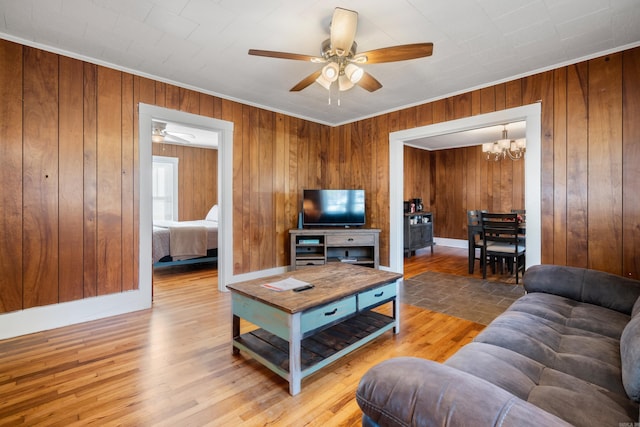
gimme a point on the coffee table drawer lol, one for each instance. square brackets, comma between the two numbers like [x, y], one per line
[375, 296]
[330, 313]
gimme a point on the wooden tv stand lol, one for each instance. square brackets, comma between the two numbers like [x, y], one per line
[311, 247]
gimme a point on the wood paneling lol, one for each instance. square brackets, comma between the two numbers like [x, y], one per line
[560, 167]
[605, 164]
[577, 156]
[40, 178]
[11, 72]
[129, 196]
[450, 182]
[71, 179]
[198, 178]
[630, 164]
[588, 177]
[109, 181]
[90, 196]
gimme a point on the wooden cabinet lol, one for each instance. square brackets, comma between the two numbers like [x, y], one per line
[418, 231]
[311, 247]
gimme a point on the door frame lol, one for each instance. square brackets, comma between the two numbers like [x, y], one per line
[397, 140]
[224, 129]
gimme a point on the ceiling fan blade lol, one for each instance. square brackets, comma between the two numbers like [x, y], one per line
[171, 138]
[369, 82]
[395, 53]
[306, 81]
[343, 30]
[285, 55]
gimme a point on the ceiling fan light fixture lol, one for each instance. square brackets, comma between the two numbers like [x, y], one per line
[331, 71]
[344, 83]
[156, 135]
[353, 73]
[343, 30]
[323, 82]
[339, 53]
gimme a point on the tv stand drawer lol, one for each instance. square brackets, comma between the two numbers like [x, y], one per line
[351, 240]
[301, 262]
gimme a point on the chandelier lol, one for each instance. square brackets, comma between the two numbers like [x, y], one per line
[505, 147]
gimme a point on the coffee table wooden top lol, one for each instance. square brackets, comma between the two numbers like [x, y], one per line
[331, 282]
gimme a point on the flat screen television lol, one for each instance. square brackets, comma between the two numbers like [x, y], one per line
[333, 208]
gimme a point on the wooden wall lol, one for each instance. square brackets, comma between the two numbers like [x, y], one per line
[68, 145]
[452, 181]
[197, 178]
[590, 155]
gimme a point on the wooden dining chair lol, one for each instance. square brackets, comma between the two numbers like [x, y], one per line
[501, 242]
[522, 215]
[474, 236]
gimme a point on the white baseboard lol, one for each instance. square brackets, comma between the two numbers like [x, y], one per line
[451, 243]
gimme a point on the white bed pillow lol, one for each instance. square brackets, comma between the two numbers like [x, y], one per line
[213, 213]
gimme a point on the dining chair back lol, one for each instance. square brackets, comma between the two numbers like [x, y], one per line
[522, 216]
[500, 232]
[474, 236]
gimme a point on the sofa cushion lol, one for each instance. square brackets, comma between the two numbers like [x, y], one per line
[630, 355]
[561, 355]
[407, 391]
[584, 285]
[584, 317]
[564, 335]
[574, 400]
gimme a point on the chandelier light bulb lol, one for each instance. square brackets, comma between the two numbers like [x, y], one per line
[505, 148]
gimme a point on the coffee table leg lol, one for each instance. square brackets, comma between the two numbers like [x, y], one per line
[295, 354]
[235, 333]
[396, 309]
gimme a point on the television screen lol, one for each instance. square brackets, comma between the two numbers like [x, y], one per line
[340, 208]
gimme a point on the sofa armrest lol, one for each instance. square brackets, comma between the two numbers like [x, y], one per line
[584, 285]
[409, 391]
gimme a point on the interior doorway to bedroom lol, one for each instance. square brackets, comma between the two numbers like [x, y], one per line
[206, 180]
[184, 198]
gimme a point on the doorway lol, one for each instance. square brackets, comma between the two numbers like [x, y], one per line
[224, 130]
[397, 140]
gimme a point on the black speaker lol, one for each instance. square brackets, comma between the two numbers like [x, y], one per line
[300, 220]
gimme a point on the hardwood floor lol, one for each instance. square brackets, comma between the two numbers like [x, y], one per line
[172, 365]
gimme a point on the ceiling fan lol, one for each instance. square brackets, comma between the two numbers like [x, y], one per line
[339, 53]
[160, 134]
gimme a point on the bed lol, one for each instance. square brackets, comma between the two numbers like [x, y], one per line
[185, 242]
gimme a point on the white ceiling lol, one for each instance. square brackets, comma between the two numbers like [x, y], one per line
[180, 134]
[203, 44]
[515, 130]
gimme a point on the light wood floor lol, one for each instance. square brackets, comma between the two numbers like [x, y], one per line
[172, 365]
